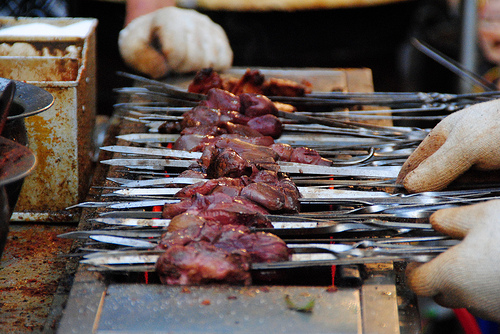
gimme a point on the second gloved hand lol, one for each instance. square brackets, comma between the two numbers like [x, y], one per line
[467, 274]
[467, 138]
[173, 39]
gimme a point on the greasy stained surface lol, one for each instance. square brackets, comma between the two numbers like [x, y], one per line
[35, 276]
[32, 274]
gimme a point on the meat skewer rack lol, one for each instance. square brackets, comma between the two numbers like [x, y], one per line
[373, 298]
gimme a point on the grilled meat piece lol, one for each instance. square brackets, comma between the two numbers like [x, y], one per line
[208, 186]
[232, 191]
[235, 213]
[267, 176]
[251, 152]
[203, 130]
[198, 143]
[200, 115]
[222, 100]
[303, 155]
[173, 209]
[184, 221]
[267, 125]
[190, 142]
[284, 87]
[284, 151]
[242, 130]
[170, 127]
[269, 192]
[235, 157]
[196, 229]
[194, 174]
[260, 141]
[233, 116]
[267, 195]
[223, 112]
[210, 252]
[254, 105]
[205, 116]
[282, 196]
[262, 246]
[291, 194]
[204, 80]
[228, 163]
[222, 208]
[250, 82]
[307, 155]
[202, 263]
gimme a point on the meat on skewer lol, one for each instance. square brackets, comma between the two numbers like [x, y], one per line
[248, 117]
[202, 263]
[222, 107]
[252, 81]
[264, 188]
[210, 252]
[222, 208]
[209, 239]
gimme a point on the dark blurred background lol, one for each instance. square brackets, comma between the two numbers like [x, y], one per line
[377, 37]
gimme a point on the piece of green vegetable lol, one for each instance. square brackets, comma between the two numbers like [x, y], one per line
[307, 308]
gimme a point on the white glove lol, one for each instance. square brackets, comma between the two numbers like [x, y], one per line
[172, 39]
[467, 138]
[468, 274]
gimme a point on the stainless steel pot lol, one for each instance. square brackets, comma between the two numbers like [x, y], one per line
[17, 162]
[18, 100]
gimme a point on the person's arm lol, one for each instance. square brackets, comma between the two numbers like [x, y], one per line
[136, 8]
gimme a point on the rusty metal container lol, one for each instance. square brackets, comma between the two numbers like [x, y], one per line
[61, 137]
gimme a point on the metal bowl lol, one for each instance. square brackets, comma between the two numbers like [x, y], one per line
[28, 100]
[19, 162]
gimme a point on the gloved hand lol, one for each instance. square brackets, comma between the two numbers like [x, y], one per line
[467, 274]
[172, 39]
[467, 138]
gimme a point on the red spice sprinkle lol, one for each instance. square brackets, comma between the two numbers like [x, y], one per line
[332, 288]
[185, 290]
[206, 302]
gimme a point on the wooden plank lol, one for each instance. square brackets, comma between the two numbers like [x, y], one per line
[361, 80]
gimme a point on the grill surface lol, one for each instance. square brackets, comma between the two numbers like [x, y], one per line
[133, 303]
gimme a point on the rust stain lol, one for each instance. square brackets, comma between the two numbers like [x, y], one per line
[55, 183]
[30, 273]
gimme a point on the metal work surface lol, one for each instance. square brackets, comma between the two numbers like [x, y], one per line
[33, 277]
[379, 306]
[221, 309]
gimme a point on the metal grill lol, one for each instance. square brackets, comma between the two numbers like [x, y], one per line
[369, 293]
